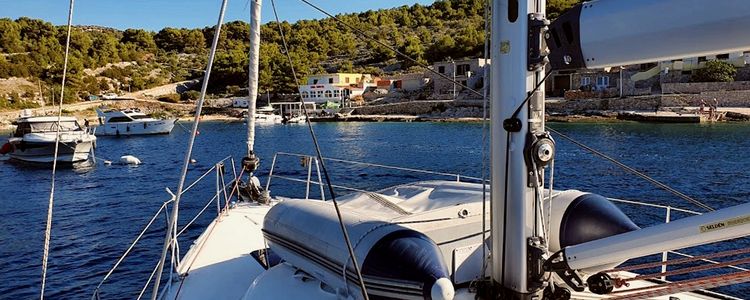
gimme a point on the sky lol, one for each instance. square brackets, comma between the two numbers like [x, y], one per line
[157, 14]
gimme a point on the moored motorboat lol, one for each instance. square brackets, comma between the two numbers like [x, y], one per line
[267, 115]
[131, 122]
[34, 140]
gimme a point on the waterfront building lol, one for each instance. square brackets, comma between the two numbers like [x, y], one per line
[336, 87]
[408, 82]
[467, 72]
[641, 79]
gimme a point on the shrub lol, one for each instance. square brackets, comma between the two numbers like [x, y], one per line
[190, 95]
[171, 98]
[715, 71]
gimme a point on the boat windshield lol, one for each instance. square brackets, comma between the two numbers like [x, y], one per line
[37, 127]
[138, 117]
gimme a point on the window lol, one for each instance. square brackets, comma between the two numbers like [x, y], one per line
[330, 80]
[347, 80]
[585, 81]
[22, 129]
[722, 56]
[315, 81]
[119, 120]
[329, 94]
[336, 93]
[441, 69]
[462, 70]
[305, 95]
[320, 94]
[701, 59]
[602, 81]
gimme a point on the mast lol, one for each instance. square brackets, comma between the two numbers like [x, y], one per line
[255, 7]
[517, 66]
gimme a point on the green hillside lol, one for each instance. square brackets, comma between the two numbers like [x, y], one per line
[33, 48]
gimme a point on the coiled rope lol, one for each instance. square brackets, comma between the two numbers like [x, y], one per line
[48, 230]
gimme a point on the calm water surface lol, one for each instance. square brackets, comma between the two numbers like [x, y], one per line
[99, 211]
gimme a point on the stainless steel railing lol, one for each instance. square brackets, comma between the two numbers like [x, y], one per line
[310, 160]
[221, 196]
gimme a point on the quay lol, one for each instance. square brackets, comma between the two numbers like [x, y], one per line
[661, 117]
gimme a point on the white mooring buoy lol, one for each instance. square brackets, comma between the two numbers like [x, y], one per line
[129, 160]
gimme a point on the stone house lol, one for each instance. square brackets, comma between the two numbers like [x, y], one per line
[468, 72]
[408, 82]
[643, 79]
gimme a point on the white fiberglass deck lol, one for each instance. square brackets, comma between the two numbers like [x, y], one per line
[219, 264]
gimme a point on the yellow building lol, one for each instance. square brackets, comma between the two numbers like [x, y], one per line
[340, 79]
[335, 87]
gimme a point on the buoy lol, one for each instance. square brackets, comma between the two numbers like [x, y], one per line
[108, 162]
[7, 148]
[130, 160]
[192, 161]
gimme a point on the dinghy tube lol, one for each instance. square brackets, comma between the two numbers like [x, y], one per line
[585, 217]
[396, 262]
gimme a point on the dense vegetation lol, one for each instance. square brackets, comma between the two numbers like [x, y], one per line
[715, 71]
[448, 28]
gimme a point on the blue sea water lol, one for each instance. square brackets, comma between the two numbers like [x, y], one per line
[99, 211]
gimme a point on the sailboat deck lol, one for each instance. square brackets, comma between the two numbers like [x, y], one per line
[219, 265]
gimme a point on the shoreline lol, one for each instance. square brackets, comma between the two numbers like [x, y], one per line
[86, 110]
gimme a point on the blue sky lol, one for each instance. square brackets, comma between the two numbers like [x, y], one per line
[156, 14]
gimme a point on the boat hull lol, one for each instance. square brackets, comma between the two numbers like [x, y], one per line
[268, 119]
[44, 152]
[136, 128]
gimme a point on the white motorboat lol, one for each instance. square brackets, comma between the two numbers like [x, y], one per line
[436, 239]
[267, 115]
[131, 122]
[34, 141]
[293, 112]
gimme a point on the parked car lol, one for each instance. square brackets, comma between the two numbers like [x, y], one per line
[109, 96]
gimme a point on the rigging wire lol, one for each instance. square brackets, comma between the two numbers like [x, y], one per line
[344, 232]
[364, 36]
[186, 163]
[48, 230]
[634, 171]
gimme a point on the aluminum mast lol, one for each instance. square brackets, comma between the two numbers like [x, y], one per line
[514, 75]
